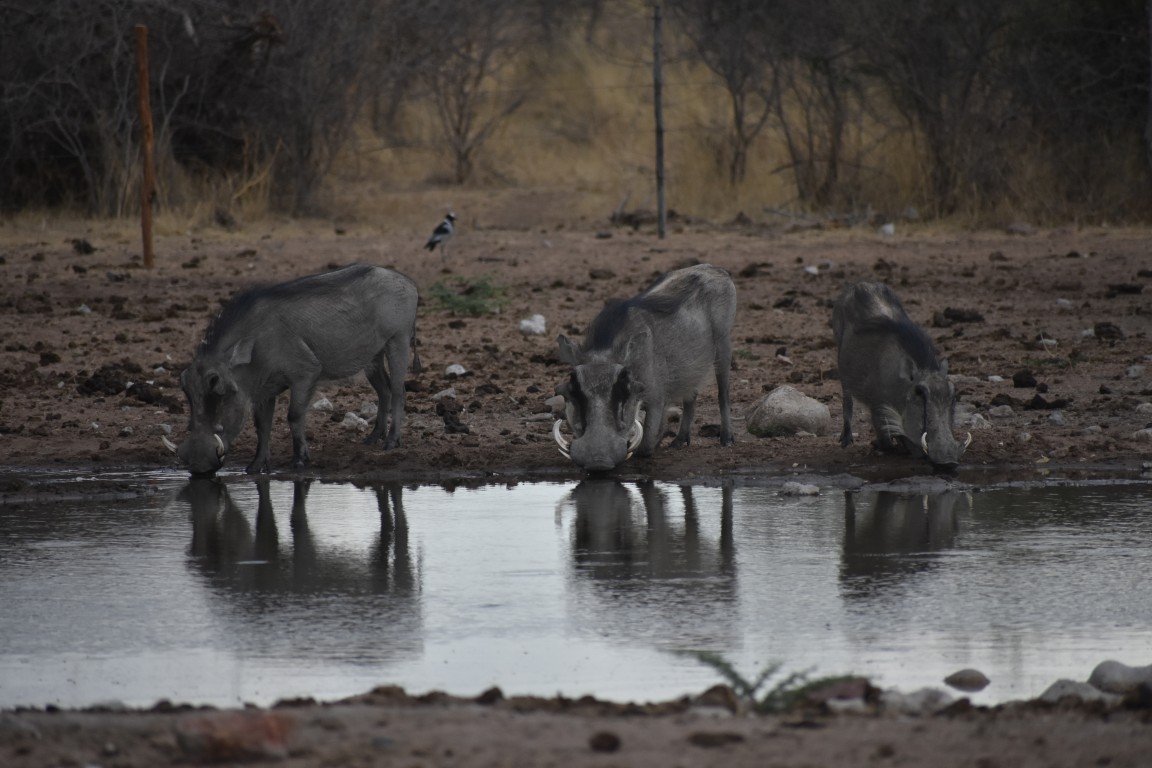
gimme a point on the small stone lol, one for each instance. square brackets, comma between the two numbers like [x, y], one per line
[793, 488]
[1115, 677]
[1144, 408]
[1056, 419]
[976, 421]
[1143, 435]
[352, 421]
[1001, 412]
[1071, 689]
[455, 370]
[926, 701]
[1064, 304]
[164, 429]
[968, 680]
[533, 326]
[369, 409]
[450, 392]
[235, 736]
[1024, 437]
[786, 411]
[604, 741]
[1135, 371]
[1023, 379]
[323, 404]
[995, 379]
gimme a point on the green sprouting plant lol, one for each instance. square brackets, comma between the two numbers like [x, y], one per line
[464, 297]
[780, 697]
[746, 354]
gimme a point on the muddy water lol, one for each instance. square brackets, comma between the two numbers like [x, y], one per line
[247, 591]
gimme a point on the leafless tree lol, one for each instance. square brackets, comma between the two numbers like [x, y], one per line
[731, 38]
[472, 46]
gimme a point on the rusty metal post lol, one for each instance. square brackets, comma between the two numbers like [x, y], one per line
[147, 144]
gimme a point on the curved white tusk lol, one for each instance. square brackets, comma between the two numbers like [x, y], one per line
[220, 449]
[564, 445]
[968, 441]
[924, 442]
[635, 436]
[168, 443]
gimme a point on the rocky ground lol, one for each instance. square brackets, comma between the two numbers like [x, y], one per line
[1047, 334]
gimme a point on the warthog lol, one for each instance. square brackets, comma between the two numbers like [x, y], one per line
[292, 336]
[890, 365]
[643, 354]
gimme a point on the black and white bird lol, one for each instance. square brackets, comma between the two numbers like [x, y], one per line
[442, 234]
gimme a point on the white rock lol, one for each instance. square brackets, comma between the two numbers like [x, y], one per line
[1063, 303]
[887, 230]
[450, 392]
[1056, 419]
[976, 421]
[84, 309]
[786, 411]
[533, 326]
[556, 403]
[1142, 435]
[995, 379]
[1024, 437]
[1093, 429]
[1001, 412]
[540, 417]
[323, 404]
[1114, 677]
[1047, 343]
[352, 421]
[1064, 689]
[164, 429]
[368, 409]
[926, 701]
[455, 370]
[1144, 408]
[793, 488]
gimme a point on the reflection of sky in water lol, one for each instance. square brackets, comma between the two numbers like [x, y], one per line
[329, 590]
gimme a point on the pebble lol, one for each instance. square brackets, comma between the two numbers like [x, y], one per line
[323, 404]
[1056, 419]
[792, 488]
[1065, 689]
[1093, 429]
[450, 392]
[369, 409]
[926, 701]
[164, 429]
[1024, 437]
[970, 680]
[533, 326]
[1001, 412]
[1063, 303]
[995, 379]
[1142, 435]
[1114, 677]
[455, 370]
[1144, 408]
[352, 421]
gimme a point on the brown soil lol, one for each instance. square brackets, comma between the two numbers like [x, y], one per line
[76, 327]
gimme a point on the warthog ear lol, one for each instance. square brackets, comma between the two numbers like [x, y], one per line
[241, 352]
[567, 350]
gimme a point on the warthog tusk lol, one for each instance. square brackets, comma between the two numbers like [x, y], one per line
[924, 442]
[635, 436]
[968, 441]
[168, 443]
[564, 445]
[220, 449]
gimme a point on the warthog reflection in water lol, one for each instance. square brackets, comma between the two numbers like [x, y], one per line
[896, 537]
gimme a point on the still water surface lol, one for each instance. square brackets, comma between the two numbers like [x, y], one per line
[252, 591]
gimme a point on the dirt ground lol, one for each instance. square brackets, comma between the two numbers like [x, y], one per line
[93, 345]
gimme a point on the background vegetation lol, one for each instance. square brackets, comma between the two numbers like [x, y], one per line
[982, 110]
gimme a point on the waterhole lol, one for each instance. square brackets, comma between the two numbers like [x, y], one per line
[223, 593]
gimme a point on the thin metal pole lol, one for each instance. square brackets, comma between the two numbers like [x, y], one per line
[147, 144]
[658, 99]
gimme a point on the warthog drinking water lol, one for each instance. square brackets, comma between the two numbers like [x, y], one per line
[292, 336]
[889, 364]
[646, 353]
